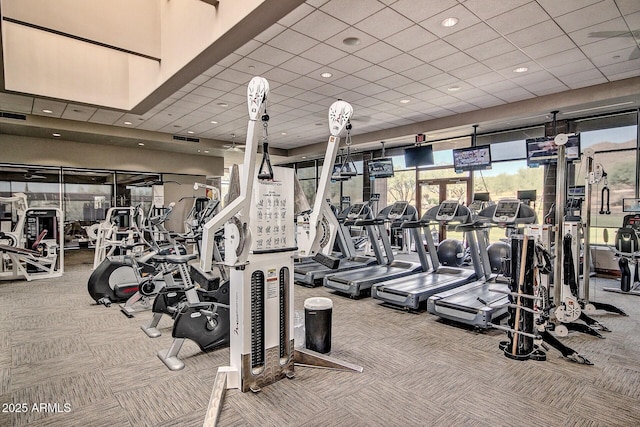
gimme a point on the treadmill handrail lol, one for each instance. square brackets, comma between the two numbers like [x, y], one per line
[365, 222]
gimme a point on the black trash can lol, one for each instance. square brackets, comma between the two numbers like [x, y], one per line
[317, 319]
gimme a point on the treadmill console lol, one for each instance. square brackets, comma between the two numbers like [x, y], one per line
[447, 210]
[632, 221]
[506, 211]
[355, 211]
[397, 210]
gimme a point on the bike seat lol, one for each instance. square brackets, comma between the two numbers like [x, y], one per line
[179, 259]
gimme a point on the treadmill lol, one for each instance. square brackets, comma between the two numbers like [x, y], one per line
[353, 283]
[312, 273]
[412, 291]
[479, 303]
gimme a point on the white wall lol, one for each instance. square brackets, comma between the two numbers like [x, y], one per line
[46, 152]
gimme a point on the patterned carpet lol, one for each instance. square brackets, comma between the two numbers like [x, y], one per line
[95, 367]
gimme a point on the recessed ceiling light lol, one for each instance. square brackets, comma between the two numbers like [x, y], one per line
[190, 132]
[47, 111]
[222, 104]
[453, 88]
[127, 123]
[141, 144]
[198, 151]
[449, 22]
[283, 133]
[521, 70]
[213, 122]
[326, 75]
[304, 157]
[206, 151]
[405, 101]
[351, 41]
[251, 67]
[56, 135]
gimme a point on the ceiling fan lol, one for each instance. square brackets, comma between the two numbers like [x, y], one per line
[635, 54]
[232, 146]
[30, 175]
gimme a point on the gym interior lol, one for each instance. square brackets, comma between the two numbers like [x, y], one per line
[320, 212]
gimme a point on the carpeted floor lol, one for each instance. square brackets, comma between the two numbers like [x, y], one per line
[57, 347]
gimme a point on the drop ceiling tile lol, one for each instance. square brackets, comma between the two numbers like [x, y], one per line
[229, 60]
[418, 11]
[623, 75]
[232, 76]
[297, 14]
[369, 102]
[349, 82]
[586, 75]
[350, 64]
[270, 55]
[56, 107]
[364, 40]
[515, 58]
[208, 92]
[428, 95]
[465, 19]
[78, 112]
[351, 11]
[288, 91]
[615, 27]
[486, 101]
[608, 45]
[546, 87]
[248, 47]
[370, 89]
[556, 8]
[584, 83]
[15, 103]
[549, 47]
[628, 6]
[588, 16]
[522, 17]
[471, 70]
[490, 49]
[211, 72]
[421, 72]
[486, 9]
[311, 97]
[633, 67]
[401, 63]
[292, 41]
[301, 65]
[251, 66]
[434, 50]
[152, 124]
[410, 38]
[107, 117]
[412, 88]
[513, 95]
[323, 54]
[306, 83]
[558, 60]
[378, 52]
[394, 81]
[350, 96]
[472, 36]
[485, 79]
[373, 73]
[633, 20]
[293, 103]
[280, 75]
[614, 57]
[439, 80]
[500, 86]
[196, 99]
[537, 33]
[319, 25]
[451, 62]
[200, 79]
[384, 23]
[389, 96]
[329, 90]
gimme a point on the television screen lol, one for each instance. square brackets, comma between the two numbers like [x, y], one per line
[380, 168]
[481, 197]
[630, 205]
[527, 195]
[472, 158]
[418, 156]
[542, 151]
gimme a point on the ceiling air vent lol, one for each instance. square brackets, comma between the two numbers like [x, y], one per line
[185, 138]
[14, 116]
